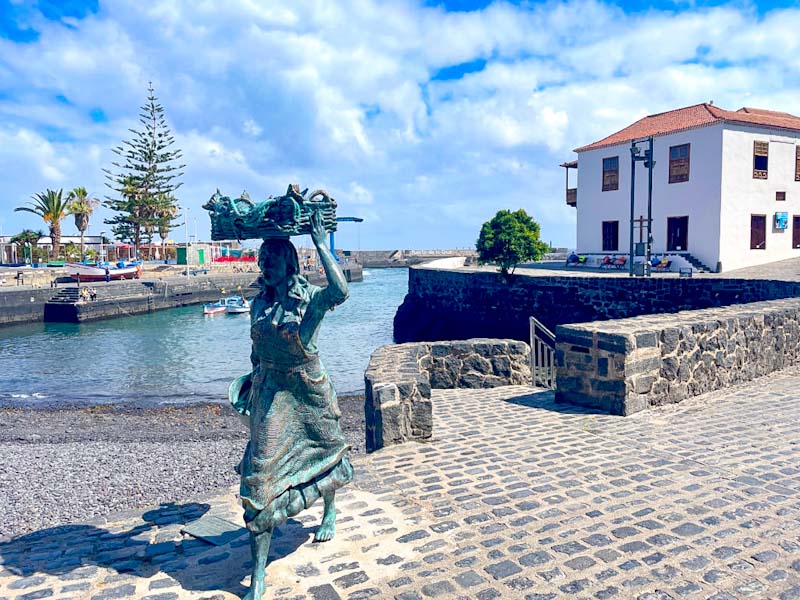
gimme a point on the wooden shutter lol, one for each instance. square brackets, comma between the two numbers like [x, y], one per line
[611, 173]
[760, 149]
[797, 163]
[679, 165]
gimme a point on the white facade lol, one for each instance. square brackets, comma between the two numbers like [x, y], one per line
[718, 199]
[743, 196]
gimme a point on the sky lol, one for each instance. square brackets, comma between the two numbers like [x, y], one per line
[424, 118]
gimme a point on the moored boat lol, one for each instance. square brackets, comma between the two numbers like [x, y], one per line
[230, 304]
[241, 305]
[95, 273]
[214, 308]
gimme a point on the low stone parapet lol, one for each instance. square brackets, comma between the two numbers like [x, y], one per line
[627, 365]
[400, 377]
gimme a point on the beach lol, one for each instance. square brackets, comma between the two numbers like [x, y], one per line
[71, 464]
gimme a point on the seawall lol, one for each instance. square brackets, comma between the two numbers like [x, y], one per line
[401, 258]
[462, 304]
[27, 304]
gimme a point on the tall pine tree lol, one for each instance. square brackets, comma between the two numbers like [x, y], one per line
[147, 173]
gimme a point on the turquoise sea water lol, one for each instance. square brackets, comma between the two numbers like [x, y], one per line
[180, 355]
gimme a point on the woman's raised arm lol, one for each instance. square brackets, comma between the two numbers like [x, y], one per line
[336, 291]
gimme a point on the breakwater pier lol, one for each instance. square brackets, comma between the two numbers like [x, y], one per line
[62, 303]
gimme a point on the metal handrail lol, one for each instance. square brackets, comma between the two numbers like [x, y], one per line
[543, 350]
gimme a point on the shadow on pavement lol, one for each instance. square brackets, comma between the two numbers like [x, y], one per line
[545, 400]
[72, 552]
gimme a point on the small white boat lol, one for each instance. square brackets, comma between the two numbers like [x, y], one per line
[94, 273]
[238, 307]
[231, 305]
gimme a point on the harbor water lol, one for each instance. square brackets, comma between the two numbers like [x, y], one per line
[179, 355]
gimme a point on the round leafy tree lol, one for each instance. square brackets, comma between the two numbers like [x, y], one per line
[508, 239]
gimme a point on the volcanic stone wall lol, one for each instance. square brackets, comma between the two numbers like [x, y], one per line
[628, 365]
[399, 379]
[456, 305]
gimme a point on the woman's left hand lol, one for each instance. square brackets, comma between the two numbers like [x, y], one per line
[317, 228]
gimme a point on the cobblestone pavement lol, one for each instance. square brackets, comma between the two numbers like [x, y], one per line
[516, 497]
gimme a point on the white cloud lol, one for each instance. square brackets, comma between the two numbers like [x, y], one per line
[342, 96]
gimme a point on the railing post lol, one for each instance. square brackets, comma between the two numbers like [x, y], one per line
[543, 343]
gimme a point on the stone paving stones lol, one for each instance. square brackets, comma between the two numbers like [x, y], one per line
[515, 497]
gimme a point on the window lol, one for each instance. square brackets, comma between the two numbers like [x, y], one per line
[780, 196]
[797, 163]
[795, 231]
[758, 232]
[610, 236]
[679, 163]
[611, 174]
[760, 159]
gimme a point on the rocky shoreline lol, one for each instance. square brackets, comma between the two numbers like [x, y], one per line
[67, 465]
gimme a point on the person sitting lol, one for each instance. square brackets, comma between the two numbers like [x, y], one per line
[662, 264]
[573, 259]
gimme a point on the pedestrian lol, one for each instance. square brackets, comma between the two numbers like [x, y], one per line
[108, 275]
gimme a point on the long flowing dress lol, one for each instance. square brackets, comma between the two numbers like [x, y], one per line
[297, 451]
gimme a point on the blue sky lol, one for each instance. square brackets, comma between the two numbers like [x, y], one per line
[422, 117]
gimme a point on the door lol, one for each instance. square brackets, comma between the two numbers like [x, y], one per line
[796, 231]
[201, 256]
[758, 232]
[610, 236]
[677, 234]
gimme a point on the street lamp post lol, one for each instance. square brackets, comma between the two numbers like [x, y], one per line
[102, 238]
[649, 163]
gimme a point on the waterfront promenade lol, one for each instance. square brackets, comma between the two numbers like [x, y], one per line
[516, 497]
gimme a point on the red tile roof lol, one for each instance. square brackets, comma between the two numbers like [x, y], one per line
[699, 115]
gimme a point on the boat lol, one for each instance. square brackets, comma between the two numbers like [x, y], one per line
[214, 308]
[230, 304]
[96, 273]
[240, 306]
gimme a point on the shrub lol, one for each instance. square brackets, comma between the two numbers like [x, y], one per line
[509, 239]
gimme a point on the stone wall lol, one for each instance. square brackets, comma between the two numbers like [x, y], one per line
[23, 304]
[628, 365]
[399, 379]
[460, 304]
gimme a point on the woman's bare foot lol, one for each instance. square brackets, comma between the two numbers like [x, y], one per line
[327, 528]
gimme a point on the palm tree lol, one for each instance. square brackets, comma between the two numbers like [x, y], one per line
[81, 207]
[52, 208]
[27, 237]
[166, 212]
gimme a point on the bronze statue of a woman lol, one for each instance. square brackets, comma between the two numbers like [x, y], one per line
[296, 453]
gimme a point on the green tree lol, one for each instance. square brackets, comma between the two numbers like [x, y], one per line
[148, 170]
[52, 208]
[509, 239]
[27, 240]
[81, 206]
[72, 252]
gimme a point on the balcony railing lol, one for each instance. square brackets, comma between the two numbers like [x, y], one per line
[572, 197]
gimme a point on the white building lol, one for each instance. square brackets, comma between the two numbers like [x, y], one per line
[726, 187]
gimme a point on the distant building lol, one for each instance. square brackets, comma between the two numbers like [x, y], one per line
[726, 187]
